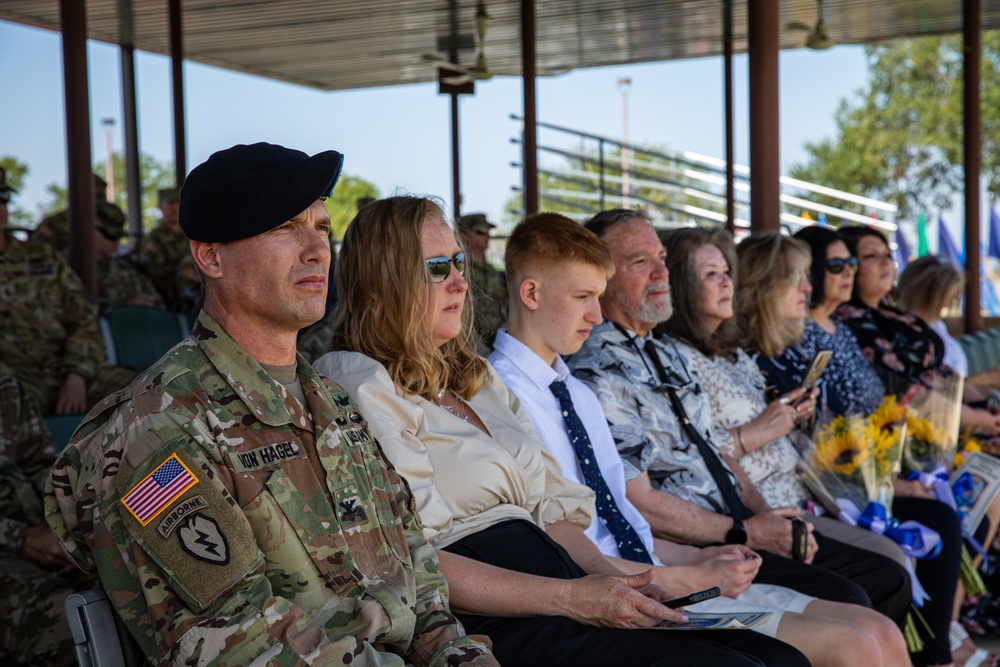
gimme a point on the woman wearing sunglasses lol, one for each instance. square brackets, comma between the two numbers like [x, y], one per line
[851, 385]
[857, 388]
[507, 527]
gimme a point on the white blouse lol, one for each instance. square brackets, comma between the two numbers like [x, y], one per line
[736, 391]
[463, 480]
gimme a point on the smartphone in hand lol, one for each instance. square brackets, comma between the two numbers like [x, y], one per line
[694, 598]
[819, 363]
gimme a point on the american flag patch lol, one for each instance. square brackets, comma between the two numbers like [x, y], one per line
[159, 488]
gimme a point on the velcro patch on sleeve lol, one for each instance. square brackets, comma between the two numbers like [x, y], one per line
[159, 489]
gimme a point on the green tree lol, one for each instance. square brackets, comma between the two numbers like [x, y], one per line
[899, 138]
[153, 175]
[343, 205]
[17, 172]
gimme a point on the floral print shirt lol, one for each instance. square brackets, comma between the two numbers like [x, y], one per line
[849, 385]
[901, 346]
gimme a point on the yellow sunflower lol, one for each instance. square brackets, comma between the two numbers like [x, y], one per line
[888, 413]
[841, 450]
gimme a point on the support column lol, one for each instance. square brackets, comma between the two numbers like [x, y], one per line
[973, 49]
[456, 171]
[727, 60]
[177, 79]
[73, 18]
[765, 166]
[528, 72]
[133, 180]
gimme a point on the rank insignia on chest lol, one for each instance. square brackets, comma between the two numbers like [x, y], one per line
[159, 489]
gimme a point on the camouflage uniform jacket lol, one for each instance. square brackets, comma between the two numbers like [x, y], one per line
[26, 454]
[118, 280]
[48, 324]
[160, 256]
[269, 534]
[489, 310]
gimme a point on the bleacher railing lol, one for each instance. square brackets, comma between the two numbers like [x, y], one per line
[581, 174]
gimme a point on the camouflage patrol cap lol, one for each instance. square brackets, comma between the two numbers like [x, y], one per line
[474, 222]
[110, 220]
[5, 185]
[247, 190]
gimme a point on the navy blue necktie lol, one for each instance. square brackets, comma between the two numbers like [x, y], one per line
[629, 543]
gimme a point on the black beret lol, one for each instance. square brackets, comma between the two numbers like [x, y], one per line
[245, 190]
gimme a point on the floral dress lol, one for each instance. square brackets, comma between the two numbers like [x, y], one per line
[901, 346]
[735, 388]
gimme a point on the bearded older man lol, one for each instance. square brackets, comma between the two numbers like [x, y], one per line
[660, 418]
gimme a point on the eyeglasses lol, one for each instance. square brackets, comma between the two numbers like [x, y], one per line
[439, 268]
[836, 264]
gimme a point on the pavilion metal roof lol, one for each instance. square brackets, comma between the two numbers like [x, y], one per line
[338, 44]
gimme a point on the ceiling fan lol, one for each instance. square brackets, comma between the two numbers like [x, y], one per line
[455, 74]
[817, 37]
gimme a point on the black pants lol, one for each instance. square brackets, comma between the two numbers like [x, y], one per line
[843, 573]
[524, 642]
[939, 575]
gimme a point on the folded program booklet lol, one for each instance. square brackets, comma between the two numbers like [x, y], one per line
[716, 621]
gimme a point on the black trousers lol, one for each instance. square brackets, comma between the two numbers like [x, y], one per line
[843, 573]
[939, 575]
[524, 642]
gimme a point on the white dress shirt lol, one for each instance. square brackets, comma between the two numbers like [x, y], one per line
[529, 378]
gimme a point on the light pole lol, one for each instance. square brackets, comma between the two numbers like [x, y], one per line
[109, 165]
[624, 84]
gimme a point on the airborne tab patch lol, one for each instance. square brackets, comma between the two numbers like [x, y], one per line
[174, 516]
[268, 455]
[158, 489]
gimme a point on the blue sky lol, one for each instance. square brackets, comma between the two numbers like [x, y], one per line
[399, 138]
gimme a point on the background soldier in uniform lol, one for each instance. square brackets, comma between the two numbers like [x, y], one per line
[163, 249]
[32, 564]
[232, 500]
[119, 282]
[489, 286]
[48, 330]
[53, 230]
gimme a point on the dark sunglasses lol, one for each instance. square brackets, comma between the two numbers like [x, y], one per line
[439, 268]
[836, 264]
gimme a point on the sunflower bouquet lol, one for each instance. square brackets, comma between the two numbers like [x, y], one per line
[857, 458]
[932, 425]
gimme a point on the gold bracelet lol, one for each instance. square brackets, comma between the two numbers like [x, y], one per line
[739, 436]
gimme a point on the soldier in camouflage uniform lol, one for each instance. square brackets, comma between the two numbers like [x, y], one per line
[232, 500]
[53, 230]
[163, 249]
[48, 330]
[35, 575]
[119, 282]
[488, 285]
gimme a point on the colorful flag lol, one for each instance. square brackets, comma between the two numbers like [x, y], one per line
[159, 488]
[922, 248]
[946, 246]
[902, 249]
[994, 242]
